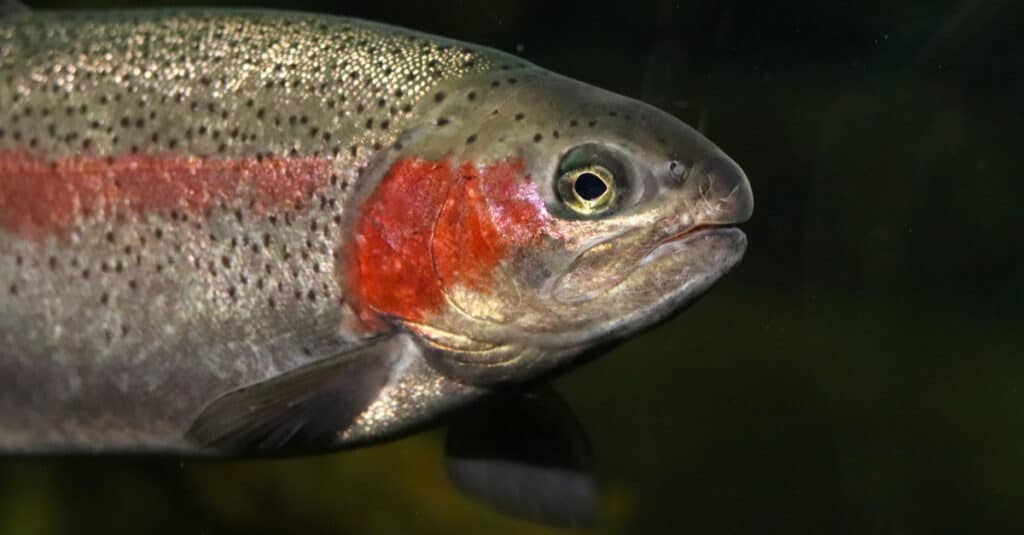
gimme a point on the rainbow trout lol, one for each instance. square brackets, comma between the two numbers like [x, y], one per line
[254, 232]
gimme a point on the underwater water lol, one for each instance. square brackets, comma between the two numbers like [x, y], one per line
[860, 372]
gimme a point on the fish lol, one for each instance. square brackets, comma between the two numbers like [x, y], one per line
[260, 233]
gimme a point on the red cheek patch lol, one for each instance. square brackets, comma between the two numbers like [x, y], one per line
[430, 225]
[40, 197]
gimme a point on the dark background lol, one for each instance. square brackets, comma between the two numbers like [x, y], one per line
[860, 372]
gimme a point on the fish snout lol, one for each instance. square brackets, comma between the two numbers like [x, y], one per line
[718, 192]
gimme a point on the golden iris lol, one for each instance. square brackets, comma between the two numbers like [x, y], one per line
[587, 190]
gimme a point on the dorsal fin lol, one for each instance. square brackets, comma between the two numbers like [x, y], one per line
[10, 8]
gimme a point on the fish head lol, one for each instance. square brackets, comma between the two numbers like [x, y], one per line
[525, 217]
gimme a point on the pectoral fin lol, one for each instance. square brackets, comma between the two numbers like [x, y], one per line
[302, 411]
[526, 456]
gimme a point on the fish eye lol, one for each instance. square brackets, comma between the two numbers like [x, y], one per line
[587, 190]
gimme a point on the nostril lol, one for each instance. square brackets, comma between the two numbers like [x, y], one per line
[678, 172]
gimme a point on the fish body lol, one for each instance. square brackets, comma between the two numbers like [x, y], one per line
[252, 231]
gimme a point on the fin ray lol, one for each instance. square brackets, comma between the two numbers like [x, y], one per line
[301, 411]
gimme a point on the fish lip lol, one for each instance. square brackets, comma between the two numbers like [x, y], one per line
[700, 231]
[692, 231]
[682, 239]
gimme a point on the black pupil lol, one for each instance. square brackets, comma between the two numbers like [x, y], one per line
[589, 186]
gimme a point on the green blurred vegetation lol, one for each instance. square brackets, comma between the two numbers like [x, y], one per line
[860, 372]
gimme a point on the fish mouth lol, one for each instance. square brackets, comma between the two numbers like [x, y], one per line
[694, 250]
[660, 280]
[697, 229]
[682, 240]
[679, 270]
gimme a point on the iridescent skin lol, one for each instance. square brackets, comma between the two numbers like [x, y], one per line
[122, 322]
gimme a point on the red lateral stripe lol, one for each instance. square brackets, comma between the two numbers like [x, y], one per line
[431, 225]
[40, 198]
